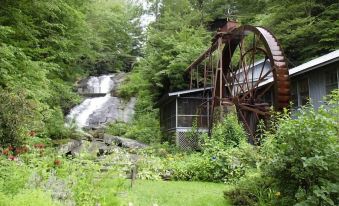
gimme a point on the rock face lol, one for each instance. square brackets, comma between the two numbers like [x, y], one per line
[115, 109]
[102, 105]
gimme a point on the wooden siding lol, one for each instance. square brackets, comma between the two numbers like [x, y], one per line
[317, 82]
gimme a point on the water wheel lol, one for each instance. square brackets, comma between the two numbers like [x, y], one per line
[253, 75]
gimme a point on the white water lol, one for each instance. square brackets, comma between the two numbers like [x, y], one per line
[100, 110]
[80, 114]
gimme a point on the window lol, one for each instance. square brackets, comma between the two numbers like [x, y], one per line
[331, 79]
[294, 94]
[300, 92]
[303, 92]
[191, 109]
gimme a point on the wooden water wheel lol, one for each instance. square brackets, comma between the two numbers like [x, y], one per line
[249, 73]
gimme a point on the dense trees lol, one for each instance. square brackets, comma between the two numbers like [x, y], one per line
[46, 45]
[306, 29]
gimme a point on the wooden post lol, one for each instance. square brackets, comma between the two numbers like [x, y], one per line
[133, 174]
[191, 79]
[205, 74]
[197, 76]
[176, 113]
[221, 76]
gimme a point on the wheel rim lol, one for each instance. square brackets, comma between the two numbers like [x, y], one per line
[244, 77]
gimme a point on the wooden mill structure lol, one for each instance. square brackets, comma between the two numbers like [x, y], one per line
[243, 65]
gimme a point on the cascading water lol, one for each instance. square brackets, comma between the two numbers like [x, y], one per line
[95, 111]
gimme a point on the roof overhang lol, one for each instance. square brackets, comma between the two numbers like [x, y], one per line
[310, 65]
[170, 96]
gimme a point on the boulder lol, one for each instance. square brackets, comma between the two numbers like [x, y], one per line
[99, 147]
[71, 148]
[123, 142]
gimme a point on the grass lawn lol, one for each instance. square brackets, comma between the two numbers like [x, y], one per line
[163, 193]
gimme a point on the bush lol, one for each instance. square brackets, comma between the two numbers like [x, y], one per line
[17, 117]
[227, 134]
[13, 177]
[300, 159]
[145, 129]
[306, 152]
[223, 166]
[55, 125]
[225, 156]
[118, 129]
[51, 177]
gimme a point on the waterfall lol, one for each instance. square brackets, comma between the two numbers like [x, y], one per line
[95, 111]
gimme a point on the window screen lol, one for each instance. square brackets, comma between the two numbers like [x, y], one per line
[331, 81]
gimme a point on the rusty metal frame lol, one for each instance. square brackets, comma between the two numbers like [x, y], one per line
[224, 76]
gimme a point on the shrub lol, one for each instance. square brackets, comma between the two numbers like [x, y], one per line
[300, 158]
[223, 166]
[306, 152]
[16, 117]
[13, 176]
[118, 129]
[253, 189]
[225, 155]
[145, 128]
[228, 133]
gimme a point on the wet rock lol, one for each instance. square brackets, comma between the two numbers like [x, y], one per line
[97, 132]
[71, 148]
[114, 110]
[99, 147]
[123, 142]
[107, 107]
[86, 136]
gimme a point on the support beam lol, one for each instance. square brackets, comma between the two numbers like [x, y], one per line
[203, 56]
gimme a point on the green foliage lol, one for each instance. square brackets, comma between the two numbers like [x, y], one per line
[146, 128]
[17, 117]
[226, 165]
[226, 155]
[174, 40]
[29, 198]
[117, 35]
[228, 133]
[118, 129]
[299, 160]
[43, 53]
[305, 160]
[253, 189]
[294, 21]
[52, 179]
[13, 178]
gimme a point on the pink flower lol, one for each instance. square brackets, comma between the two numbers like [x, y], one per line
[12, 158]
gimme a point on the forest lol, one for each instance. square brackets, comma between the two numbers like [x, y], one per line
[47, 46]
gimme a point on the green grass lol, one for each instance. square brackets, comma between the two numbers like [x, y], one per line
[162, 193]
